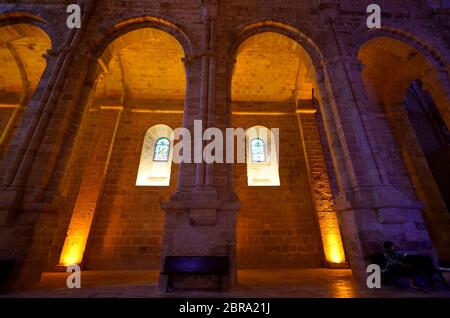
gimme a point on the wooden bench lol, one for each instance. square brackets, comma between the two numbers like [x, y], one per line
[195, 265]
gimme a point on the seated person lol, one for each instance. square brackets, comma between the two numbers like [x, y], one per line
[396, 266]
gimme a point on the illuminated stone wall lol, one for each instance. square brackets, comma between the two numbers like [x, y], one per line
[135, 64]
[277, 226]
[128, 227]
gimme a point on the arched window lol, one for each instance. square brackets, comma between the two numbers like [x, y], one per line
[258, 150]
[262, 157]
[156, 158]
[162, 150]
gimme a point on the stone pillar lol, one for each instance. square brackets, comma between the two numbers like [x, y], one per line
[437, 83]
[200, 220]
[17, 165]
[370, 209]
[17, 223]
[29, 209]
[11, 194]
[435, 212]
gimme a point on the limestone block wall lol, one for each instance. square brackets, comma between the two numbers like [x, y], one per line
[277, 226]
[374, 196]
[321, 176]
[128, 224]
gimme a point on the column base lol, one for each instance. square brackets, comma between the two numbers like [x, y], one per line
[198, 224]
[368, 218]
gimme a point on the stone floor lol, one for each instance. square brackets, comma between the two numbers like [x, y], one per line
[291, 283]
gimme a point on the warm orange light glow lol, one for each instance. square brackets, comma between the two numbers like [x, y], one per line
[83, 213]
[73, 250]
[331, 237]
[334, 252]
[79, 227]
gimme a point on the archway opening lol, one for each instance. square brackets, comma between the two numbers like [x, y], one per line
[22, 49]
[272, 86]
[432, 135]
[138, 99]
[413, 92]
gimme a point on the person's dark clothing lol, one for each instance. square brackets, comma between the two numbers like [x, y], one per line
[395, 265]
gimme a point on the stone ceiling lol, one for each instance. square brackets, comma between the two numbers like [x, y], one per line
[390, 66]
[272, 67]
[141, 66]
[21, 58]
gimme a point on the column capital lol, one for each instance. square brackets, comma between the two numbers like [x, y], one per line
[193, 57]
[74, 51]
[377, 198]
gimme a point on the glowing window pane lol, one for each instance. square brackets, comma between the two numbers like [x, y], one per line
[162, 150]
[258, 150]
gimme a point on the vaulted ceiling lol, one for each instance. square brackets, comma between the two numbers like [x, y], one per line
[142, 66]
[272, 67]
[390, 66]
[22, 47]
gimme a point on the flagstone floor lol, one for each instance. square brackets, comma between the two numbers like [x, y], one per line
[291, 283]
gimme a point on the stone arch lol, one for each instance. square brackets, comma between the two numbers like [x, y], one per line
[274, 26]
[433, 51]
[431, 67]
[313, 51]
[291, 32]
[95, 50]
[19, 26]
[119, 29]
[115, 29]
[116, 61]
[11, 18]
[285, 113]
[408, 59]
[24, 39]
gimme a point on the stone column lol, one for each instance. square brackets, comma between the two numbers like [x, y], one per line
[34, 202]
[29, 200]
[10, 194]
[17, 166]
[435, 212]
[437, 83]
[186, 173]
[370, 209]
[200, 221]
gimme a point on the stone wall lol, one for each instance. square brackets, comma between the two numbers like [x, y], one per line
[42, 173]
[277, 226]
[128, 224]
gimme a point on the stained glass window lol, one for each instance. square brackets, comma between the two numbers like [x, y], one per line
[258, 150]
[162, 150]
